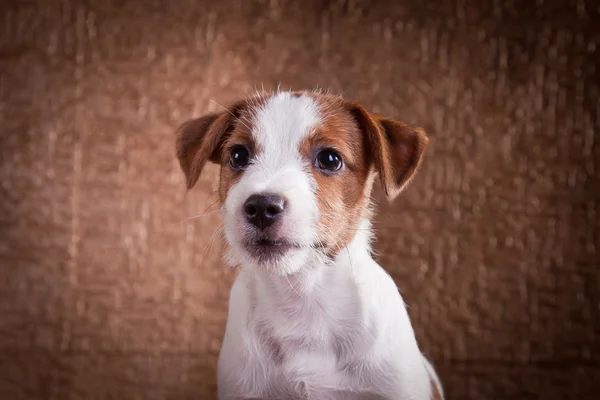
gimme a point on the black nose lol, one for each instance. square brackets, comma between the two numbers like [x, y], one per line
[262, 210]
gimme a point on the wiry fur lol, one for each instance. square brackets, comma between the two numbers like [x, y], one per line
[323, 321]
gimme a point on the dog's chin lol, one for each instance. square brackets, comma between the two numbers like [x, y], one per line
[278, 256]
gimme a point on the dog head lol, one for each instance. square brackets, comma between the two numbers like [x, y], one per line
[297, 170]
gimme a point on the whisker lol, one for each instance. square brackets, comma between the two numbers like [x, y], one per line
[349, 258]
[210, 205]
[208, 246]
[204, 213]
[224, 108]
[232, 114]
[197, 216]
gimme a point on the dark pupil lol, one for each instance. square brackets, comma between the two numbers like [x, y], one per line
[329, 160]
[239, 157]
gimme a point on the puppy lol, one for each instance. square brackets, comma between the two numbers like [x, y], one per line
[311, 314]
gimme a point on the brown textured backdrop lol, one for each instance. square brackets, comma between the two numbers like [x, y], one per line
[495, 246]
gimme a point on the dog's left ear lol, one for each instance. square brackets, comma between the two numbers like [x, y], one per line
[200, 140]
[396, 148]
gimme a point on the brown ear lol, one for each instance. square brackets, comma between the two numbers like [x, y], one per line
[396, 148]
[199, 140]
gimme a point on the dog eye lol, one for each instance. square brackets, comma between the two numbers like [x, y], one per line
[328, 160]
[240, 157]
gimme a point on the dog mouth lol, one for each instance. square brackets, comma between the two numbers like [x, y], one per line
[266, 249]
[269, 243]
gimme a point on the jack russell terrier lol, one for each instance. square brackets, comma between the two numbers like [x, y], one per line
[311, 314]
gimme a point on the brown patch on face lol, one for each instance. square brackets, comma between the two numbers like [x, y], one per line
[342, 196]
[241, 134]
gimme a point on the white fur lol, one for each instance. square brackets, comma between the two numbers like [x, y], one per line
[306, 327]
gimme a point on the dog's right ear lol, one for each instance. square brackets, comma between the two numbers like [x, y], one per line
[200, 140]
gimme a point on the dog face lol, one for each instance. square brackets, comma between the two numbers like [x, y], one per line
[296, 173]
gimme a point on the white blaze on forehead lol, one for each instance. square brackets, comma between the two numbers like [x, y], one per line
[279, 127]
[283, 122]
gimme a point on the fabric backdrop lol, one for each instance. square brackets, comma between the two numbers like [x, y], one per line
[105, 294]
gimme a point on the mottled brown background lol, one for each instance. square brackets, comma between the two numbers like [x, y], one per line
[495, 245]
